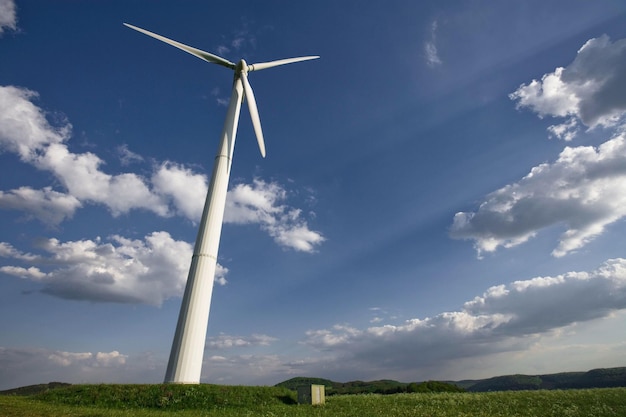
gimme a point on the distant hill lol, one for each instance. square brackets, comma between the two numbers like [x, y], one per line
[300, 381]
[34, 389]
[596, 378]
[383, 386]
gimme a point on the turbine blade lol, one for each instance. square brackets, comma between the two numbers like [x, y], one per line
[263, 65]
[254, 112]
[206, 56]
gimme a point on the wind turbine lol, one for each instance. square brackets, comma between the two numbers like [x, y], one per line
[185, 363]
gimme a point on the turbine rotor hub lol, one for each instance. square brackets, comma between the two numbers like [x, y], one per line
[242, 66]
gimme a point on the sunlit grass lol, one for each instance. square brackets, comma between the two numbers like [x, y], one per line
[143, 400]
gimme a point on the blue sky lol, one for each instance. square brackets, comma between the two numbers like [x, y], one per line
[443, 196]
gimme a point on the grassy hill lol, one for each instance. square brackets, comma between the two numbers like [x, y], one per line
[234, 401]
[157, 400]
[294, 383]
[34, 389]
[383, 386]
[164, 396]
[352, 387]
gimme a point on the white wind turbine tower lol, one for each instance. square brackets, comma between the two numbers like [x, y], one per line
[185, 361]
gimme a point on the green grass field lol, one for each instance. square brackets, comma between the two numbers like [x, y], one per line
[215, 400]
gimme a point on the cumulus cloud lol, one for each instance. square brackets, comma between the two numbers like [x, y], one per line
[119, 270]
[172, 188]
[8, 251]
[260, 203]
[566, 131]
[511, 326]
[506, 318]
[49, 206]
[430, 47]
[542, 304]
[8, 15]
[24, 129]
[83, 178]
[99, 359]
[584, 189]
[592, 89]
[186, 188]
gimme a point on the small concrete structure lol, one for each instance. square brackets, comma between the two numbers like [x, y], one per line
[312, 394]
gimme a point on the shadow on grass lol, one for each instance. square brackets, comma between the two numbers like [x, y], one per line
[287, 399]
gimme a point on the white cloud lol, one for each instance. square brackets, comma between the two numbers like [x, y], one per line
[108, 359]
[127, 156]
[542, 304]
[8, 251]
[24, 130]
[120, 270]
[525, 326]
[511, 318]
[220, 275]
[254, 203]
[592, 88]
[224, 341]
[97, 360]
[566, 131]
[430, 47]
[295, 234]
[544, 324]
[28, 366]
[186, 188]
[49, 206]
[81, 175]
[257, 203]
[260, 203]
[584, 189]
[253, 369]
[68, 358]
[8, 15]
[32, 273]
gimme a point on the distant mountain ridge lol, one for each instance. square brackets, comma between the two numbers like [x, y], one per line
[595, 378]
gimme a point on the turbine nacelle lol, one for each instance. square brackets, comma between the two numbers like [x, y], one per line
[241, 73]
